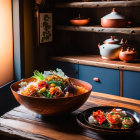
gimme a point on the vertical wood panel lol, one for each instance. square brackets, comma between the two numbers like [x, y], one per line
[121, 83]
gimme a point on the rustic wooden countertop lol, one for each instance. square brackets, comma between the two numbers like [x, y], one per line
[96, 60]
[21, 123]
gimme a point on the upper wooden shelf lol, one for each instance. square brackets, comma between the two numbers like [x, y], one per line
[96, 60]
[98, 4]
[99, 29]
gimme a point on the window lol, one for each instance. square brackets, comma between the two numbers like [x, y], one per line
[11, 50]
[6, 42]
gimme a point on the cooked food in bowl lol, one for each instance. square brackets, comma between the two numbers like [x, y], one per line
[50, 84]
[116, 119]
[51, 93]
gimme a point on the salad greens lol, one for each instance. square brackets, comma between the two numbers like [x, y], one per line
[38, 75]
[58, 72]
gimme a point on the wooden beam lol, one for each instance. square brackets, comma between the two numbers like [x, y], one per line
[98, 4]
[96, 60]
[99, 29]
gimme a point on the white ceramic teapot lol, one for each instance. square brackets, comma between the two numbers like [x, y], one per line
[111, 48]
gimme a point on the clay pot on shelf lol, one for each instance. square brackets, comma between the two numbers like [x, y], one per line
[127, 54]
[79, 21]
[111, 48]
[113, 20]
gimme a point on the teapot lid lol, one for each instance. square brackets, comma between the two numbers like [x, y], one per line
[113, 15]
[112, 40]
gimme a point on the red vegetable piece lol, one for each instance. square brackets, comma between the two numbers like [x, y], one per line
[99, 116]
[42, 84]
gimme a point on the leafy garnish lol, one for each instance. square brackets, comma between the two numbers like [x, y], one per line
[126, 118]
[38, 75]
[126, 126]
[111, 113]
[57, 83]
[106, 125]
[47, 94]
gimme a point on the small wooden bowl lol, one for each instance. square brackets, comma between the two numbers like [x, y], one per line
[52, 106]
[79, 22]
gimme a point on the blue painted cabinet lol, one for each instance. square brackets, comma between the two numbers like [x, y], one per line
[70, 69]
[109, 78]
[131, 84]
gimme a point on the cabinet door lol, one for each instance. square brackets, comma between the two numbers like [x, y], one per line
[131, 84]
[70, 69]
[109, 78]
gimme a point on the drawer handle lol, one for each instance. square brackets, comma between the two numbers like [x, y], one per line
[75, 71]
[96, 79]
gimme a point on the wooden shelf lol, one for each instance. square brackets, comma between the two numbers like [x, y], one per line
[96, 60]
[98, 4]
[99, 29]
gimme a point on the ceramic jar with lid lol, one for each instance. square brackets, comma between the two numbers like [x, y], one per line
[127, 54]
[111, 48]
[113, 20]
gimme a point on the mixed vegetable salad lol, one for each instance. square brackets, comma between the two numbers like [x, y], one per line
[50, 84]
[116, 119]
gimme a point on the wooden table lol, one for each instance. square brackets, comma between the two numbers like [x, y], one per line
[20, 123]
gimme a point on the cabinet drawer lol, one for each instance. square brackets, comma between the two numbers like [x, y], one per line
[109, 78]
[70, 69]
[131, 84]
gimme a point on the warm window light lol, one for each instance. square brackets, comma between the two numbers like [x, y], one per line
[6, 42]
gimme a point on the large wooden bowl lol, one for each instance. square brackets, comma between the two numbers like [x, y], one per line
[52, 106]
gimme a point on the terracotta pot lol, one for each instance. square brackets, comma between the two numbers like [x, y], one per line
[113, 23]
[128, 56]
[52, 106]
[113, 20]
[111, 48]
[80, 21]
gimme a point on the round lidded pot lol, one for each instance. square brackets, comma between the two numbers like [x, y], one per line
[127, 54]
[111, 48]
[113, 20]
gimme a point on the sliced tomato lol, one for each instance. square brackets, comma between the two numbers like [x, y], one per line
[42, 84]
